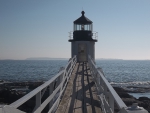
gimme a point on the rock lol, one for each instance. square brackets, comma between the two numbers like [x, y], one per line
[10, 92]
[129, 100]
[145, 103]
[125, 95]
[119, 89]
[143, 98]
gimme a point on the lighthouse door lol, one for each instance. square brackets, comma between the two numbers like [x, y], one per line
[82, 52]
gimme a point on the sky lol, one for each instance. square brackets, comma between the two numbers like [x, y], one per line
[39, 28]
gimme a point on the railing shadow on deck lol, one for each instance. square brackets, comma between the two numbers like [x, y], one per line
[44, 98]
[83, 98]
[107, 95]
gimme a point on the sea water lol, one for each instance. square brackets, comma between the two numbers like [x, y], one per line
[137, 95]
[117, 72]
[121, 72]
[126, 72]
[29, 70]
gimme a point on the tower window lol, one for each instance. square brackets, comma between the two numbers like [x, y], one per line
[82, 27]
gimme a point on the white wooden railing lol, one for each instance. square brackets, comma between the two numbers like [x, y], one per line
[107, 95]
[54, 87]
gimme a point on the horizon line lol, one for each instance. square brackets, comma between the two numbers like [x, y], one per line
[49, 58]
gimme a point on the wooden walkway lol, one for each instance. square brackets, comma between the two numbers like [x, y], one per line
[80, 95]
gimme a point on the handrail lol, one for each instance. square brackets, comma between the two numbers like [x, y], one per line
[118, 100]
[20, 101]
[55, 86]
[107, 94]
[95, 35]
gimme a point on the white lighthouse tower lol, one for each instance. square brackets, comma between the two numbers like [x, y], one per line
[83, 39]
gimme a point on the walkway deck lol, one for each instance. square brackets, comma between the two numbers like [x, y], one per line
[80, 95]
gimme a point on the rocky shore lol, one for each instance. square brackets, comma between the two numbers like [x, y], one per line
[129, 99]
[12, 91]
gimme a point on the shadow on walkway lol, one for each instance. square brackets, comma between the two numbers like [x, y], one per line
[83, 96]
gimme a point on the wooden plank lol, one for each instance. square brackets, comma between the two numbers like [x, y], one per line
[79, 92]
[74, 91]
[66, 100]
[94, 99]
[80, 95]
[87, 92]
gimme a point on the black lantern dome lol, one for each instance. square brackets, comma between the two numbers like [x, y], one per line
[83, 20]
[83, 29]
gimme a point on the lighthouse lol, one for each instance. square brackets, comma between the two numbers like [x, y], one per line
[83, 39]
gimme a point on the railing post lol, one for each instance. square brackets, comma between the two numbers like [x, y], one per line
[101, 90]
[37, 100]
[105, 89]
[111, 102]
[50, 92]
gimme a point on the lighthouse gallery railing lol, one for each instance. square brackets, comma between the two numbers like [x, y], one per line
[55, 87]
[94, 35]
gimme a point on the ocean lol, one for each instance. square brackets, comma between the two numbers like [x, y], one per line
[124, 72]
[133, 74]
[118, 72]
[121, 72]
[29, 70]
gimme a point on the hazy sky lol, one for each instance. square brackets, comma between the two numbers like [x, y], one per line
[39, 28]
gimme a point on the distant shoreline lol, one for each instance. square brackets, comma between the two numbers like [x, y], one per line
[46, 58]
[35, 59]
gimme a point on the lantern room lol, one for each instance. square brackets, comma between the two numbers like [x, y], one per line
[83, 39]
[83, 23]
